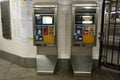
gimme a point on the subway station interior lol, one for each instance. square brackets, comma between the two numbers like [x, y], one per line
[60, 39]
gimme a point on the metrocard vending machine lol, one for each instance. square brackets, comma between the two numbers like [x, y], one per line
[84, 29]
[44, 29]
[84, 37]
[45, 37]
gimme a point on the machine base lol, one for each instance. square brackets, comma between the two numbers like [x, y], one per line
[46, 64]
[82, 65]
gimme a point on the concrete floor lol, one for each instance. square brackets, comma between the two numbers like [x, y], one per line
[10, 71]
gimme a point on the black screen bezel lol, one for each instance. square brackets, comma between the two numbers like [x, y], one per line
[80, 21]
[41, 20]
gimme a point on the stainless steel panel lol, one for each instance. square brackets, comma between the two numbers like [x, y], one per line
[81, 58]
[47, 50]
[46, 54]
[46, 64]
[82, 50]
[81, 65]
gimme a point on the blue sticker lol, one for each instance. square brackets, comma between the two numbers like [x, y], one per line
[78, 30]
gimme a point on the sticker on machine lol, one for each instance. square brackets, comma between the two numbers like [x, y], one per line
[45, 30]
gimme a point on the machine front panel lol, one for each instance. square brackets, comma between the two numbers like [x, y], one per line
[44, 30]
[84, 29]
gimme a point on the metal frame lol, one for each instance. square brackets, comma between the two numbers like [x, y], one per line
[80, 69]
[47, 55]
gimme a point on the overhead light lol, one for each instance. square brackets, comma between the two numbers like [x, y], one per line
[89, 7]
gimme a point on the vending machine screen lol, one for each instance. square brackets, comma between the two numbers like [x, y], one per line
[87, 19]
[47, 20]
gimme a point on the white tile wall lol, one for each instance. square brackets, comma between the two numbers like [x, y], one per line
[23, 49]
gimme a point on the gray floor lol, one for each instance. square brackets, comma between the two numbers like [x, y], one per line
[10, 71]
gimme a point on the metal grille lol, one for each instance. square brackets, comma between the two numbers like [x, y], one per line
[110, 35]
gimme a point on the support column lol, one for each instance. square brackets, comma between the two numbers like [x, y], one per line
[95, 53]
[64, 29]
